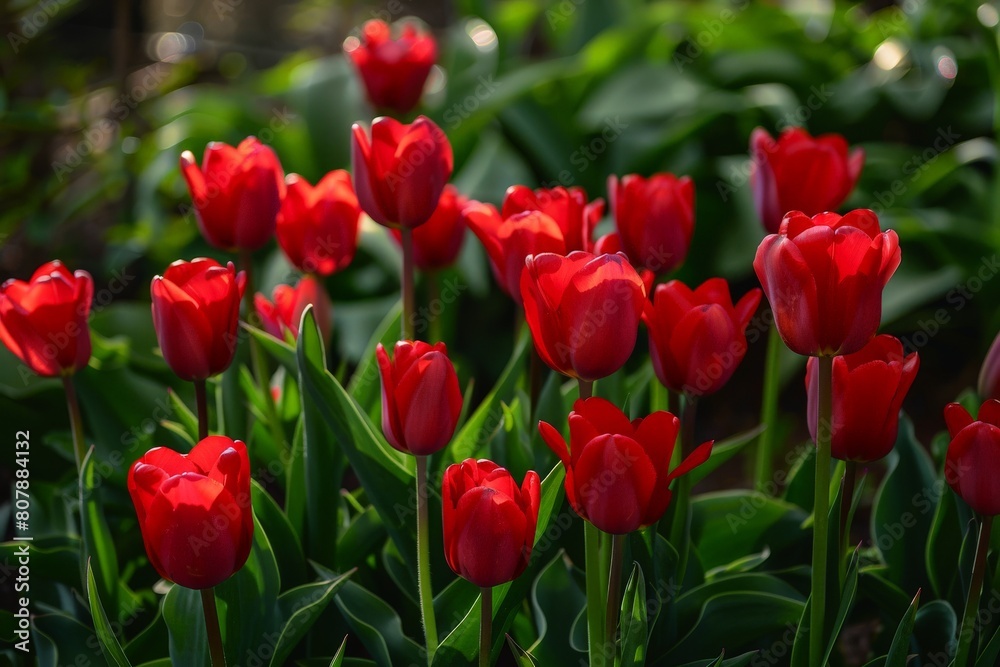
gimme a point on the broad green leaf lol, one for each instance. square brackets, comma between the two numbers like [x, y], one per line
[300, 608]
[98, 545]
[900, 649]
[632, 646]
[935, 628]
[59, 639]
[556, 600]
[185, 619]
[105, 635]
[290, 560]
[376, 625]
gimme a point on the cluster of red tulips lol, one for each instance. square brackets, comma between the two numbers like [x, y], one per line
[583, 299]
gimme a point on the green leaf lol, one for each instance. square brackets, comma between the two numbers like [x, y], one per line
[185, 619]
[633, 622]
[288, 555]
[846, 602]
[944, 540]
[338, 659]
[935, 628]
[98, 545]
[183, 415]
[739, 661]
[300, 608]
[521, 656]
[364, 385]
[900, 649]
[724, 450]
[105, 635]
[279, 350]
[376, 624]
[556, 600]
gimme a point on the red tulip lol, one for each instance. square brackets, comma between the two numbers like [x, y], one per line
[437, 242]
[568, 207]
[44, 321]
[421, 399]
[800, 173]
[196, 309]
[318, 226]
[824, 278]
[868, 390]
[611, 244]
[971, 465]
[194, 510]
[393, 71]
[236, 193]
[618, 472]
[285, 313]
[655, 219]
[400, 172]
[989, 374]
[583, 311]
[697, 338]
[489, 523]
[509, 241]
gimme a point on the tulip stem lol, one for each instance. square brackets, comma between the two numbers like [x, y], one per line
[659, 398]
[680, 532]
[212, 625]
[424, 560]
[485, 626]
[821, 511]
[75, 421]
[614, 593]
[435, 326]
[201, 398]
[409, 304]
[846, 500]
[595, 595]
[586, 389]
[975, 588]
[769, 411]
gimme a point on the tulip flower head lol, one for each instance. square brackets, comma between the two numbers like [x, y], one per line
[400, 170]
[285, 312]
[393, 70]
[437, 242]
[583, 311]
[972, 464]
[654, 218]
[697, 337]
[194, 510]
[824, 278]
[44, 321]
[799, 172]
[617, 471]
[236, 193]
[421, 399]
[568, 207]
[868, 391]
[317, 227]
[196, 309]
[489, 523]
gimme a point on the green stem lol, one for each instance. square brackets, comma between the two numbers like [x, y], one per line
[586, 389]
[212, 625]
[263, 375]
[485, 626]
[680, 533]
[595, 595]
[846, 500]
[75, 420]
[614, 594]
[409, 303]
[435, 325]
[962, 654]
[821, 510]
[659, 399]
[424, 561]
[763, 470]
[201, 399]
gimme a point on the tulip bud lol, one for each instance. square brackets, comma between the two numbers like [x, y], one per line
[285, 313]
[318, 226]
[194, 510]
[489, 523]
[437, 242]
[654, 218]
[393, 71]
[971, 464]
[44, 321]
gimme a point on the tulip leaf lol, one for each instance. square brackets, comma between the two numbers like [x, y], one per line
[364, 385]
[899, 651]
[521, 657]
[288, 555]
[944, 540]
[185, 620]
[60, 639]
[98, 544]
[556, 599]
[632, 648]
[739, 661]
[724, 450]
[846, 602]
[279, 350]
[331, 423]
[300, 608]
[105, 635]
[183, 415]
[935, 628]
[338, 660]
[990, 654]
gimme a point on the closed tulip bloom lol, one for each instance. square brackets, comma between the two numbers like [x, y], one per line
[400, 170]
[567, 206]
[697, 337]
[824, 278]
[799, 172]
[285, 312]
[868, 391]
[196, 309]
[421, 399]
[510, 241]
[393, 70]
[44, 321]
[618, 471]
[194, 510]
[489, 523]
[437, 242]
[989, 374]
[654, 218]
[972, 464]
[318, 226]
[583, 311]
[236, 193]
